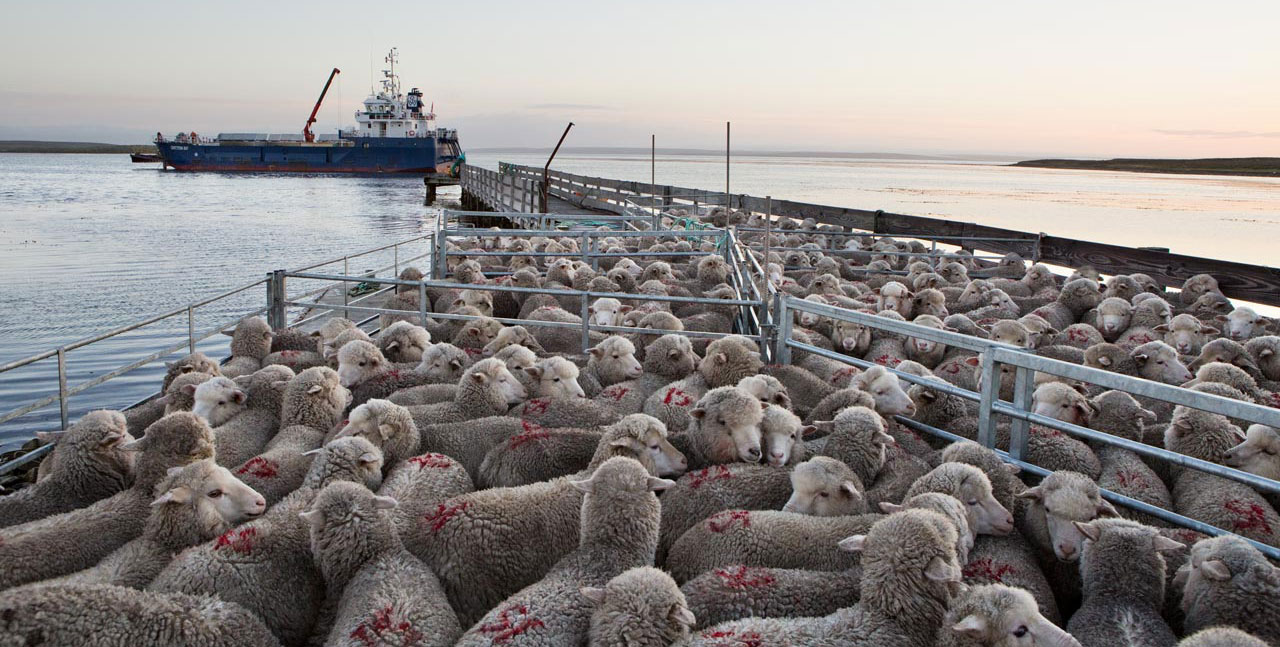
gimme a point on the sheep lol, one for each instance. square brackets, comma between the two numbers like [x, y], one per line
[641, 607]
[266, 565]
[701, 493]
[1210, 306]
[618, 531]
[935, 407]
[856, 437]
[1186, 334]
[1196, 286]
[1076, 298]
[141, 416]
[488, 544]
[313, 405]
[781, 434]
[75, 540]
[999, 305]
[250, 343]
[725, 428]
[1227, 352]
[541, 455]
[217, 400]
[825, 487]
[1123, 471]
[886, 390]
[725, 363]
[509, 336]
[553, 378]
[247, 433]
[1258, 453]
[895, 297]
[100, 615]
[421, 482]
[487, 388]
[1113, 315]
[972, 487]
[1221, 637]
[387, 426]
[331, 347]
[1265, 353]
[88, 463]
[375, 591]
[995, 615]
[909, 570]
[1123, 573]
[404, 342]
[196, 503]
[607, 311]
[1227, 581]
[1159, 362]
[1110, 357]
[561, 339]
[667, 359]
[476, 333]
[926, 352]
[609, 362]
[851, 338]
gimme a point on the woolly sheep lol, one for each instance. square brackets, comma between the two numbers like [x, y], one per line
[618, 530]
[972, 487]
[101, 615]
[217, 400]
[266, 565]
[386, 425]
[250, 343]
[1158, 361]
[1186, 334]
[331, 347]
[1265, 352]
[1062, 500]
[375, 590]
[1221, 637]
[995, 615]
[477, 333]
[487, 388]
[141, 416]
[72, 541]
[609, 362]
[1196, 286]
[88, 463]
[856, 437]
[512, 336]
[725, 429]
[196, 503]
[825, 487]
[1124, 578]
[247, 433]
[885, 389]
[1076, 298]
[1113, 316]
[1229, 582]
[404, 342]
[781, 434]
[725, 363]
[641, 607]
[1259, 453]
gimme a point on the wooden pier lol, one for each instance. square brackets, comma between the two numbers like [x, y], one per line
[519, 188]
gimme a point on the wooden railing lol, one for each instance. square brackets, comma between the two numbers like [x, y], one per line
[1255, 283]
[501, 191]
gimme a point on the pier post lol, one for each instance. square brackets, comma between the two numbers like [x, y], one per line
[275, 300]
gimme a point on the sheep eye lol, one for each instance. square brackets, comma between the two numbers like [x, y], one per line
[557, 379]
[973, 502]
[824, 494]
[653, 447]
[221, 402]
[362, 363]
[720, 420]
[215, 494]
[1020, 631]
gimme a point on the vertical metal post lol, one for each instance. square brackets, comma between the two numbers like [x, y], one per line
[990, 392]
[768, 235]
[441, 260]
[62, 385]
[275, 300]
[783, 354]
[346, 290]
[586, 330]
[653, 161]
[396, 265]
[1023, 384]
[726, 166]
[422, 302]
[191, 329]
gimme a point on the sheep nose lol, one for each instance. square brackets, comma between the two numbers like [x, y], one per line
[1066, 551]
[754, 452]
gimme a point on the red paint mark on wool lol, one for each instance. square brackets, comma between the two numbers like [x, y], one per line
[523, 439]
[431, 460]
[888, 360]
[1249, 516]
[951, 368]
[290, 354]
[713, 473]
[848, 371]
[1273, 400]
[535, 406]
[1129, 478]
[260, 467]
[677, 397]
[743, 577]
[380, 630]
[444, 513]
[474, 352]
[530, 427]
[512, 621]
[725, 521]
[615, 393]
[1076, 334]
[241, 541]
[733, 638]
[987, 570]
[1141, 339]
[987, 322]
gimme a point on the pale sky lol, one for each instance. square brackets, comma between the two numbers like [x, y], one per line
[1114, 78]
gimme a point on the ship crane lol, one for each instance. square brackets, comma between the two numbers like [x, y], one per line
[306, 130]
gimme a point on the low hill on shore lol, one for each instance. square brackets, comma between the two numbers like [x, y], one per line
[1255, 166]
[21, 146]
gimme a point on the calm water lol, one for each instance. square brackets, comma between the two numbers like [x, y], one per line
[90, 242]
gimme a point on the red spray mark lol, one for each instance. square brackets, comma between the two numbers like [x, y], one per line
[524, 439]
[1043, 314]
[512, 621]
[290, 354]
[444, 512]
[713, 473]
[1249, 516]
[677, 397]
[1188, 537]
[951, 368]
[1141, 339]
[380, 631]
[848, 371]
[733, 638]
[1273, 400]
[1076, 334]
[260, 467]
[474, 352]
[743, 577]
[987, 322]
[530, 427]
[431, 460]
[241, 541]
[536, 406]
[615, 393]
[725, 521]
[987, 570]
[888, 360]
[1129, 478]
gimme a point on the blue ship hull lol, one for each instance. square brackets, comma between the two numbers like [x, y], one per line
[347, 155]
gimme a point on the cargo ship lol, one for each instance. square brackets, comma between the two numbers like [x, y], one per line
[394, 133]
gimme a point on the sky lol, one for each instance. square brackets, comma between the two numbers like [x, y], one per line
[1093, 79]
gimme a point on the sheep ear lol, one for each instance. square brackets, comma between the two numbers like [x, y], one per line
[625, 309]
[369, 458]
[189, 389]
[1216, 569]
[851, 489]
[479, 377]
[883, 438]
[1162, 328]
[888, 507]
[1011, 468]
[384, 502]
[941, 571]
[49, 436]
[229, 333]
[593, 594]
[313, 517]
[698, 412]
[1031, 493]
[1104, 360]
[1105, 509]
[239, 397]
[1163, 544]
[853, 544]
[1179, 427]
[386, 430]
[136, 446]
[682, 615]
[808, 430]
[584, 485]
[1147, 415]
[1140, 358]
[181, 494]
[972, 626]
[315, 389]
[659, 484]
[1222, 318]
[824, 425]
[535, 371]
[1090, 531]
[455, 363]
[595, 351]
[929, 396]
[720, 358]
[1266, 352]
[1209, 330]
[392, 345]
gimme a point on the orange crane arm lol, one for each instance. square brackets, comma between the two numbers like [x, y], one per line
[306, 130]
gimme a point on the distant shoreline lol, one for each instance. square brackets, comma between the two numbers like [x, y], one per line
[1246, 166]
[21, 146]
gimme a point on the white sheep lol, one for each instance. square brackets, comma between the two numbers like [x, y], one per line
[1259, 453]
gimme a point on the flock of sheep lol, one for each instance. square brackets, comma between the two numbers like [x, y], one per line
[462, 482]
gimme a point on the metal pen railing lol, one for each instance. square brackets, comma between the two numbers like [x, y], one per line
[1026, 364]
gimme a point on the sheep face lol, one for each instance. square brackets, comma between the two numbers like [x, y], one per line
[1008, 331]
[1159, 362]
[468, 272]
[1059, 401]
[767, 389]
[1004, 616]
[480, 331]
[1186, 334]
[219, 500]
[1243, 324]
[512, 336]
[556, 378]
[1114, 315]
[657, 271]
[729, 419]
[652, 434]
[331, 347]
[404, 342]
[1196, 287]
[886, 390]
[929, 301]
[895, 297]
[1258, 454]
[853, 338]
[358, 361]
[1066, 499]
[1039, 330]
[378, 421]
[217, 400]
[1210, 304]
[809, 319]
[629, 266]
[443, 363]
[986, 515]
[955, 273]
[975, 293]
[780, 430]
[825, 284]
[496, 373]
[824, 487]
[616, 357]
[482, 301]
[925, 345]
[607, 312]
[1225, 351]
[1122, 287]
[713, 270]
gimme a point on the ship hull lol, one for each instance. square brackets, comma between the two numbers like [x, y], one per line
[365, 155]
